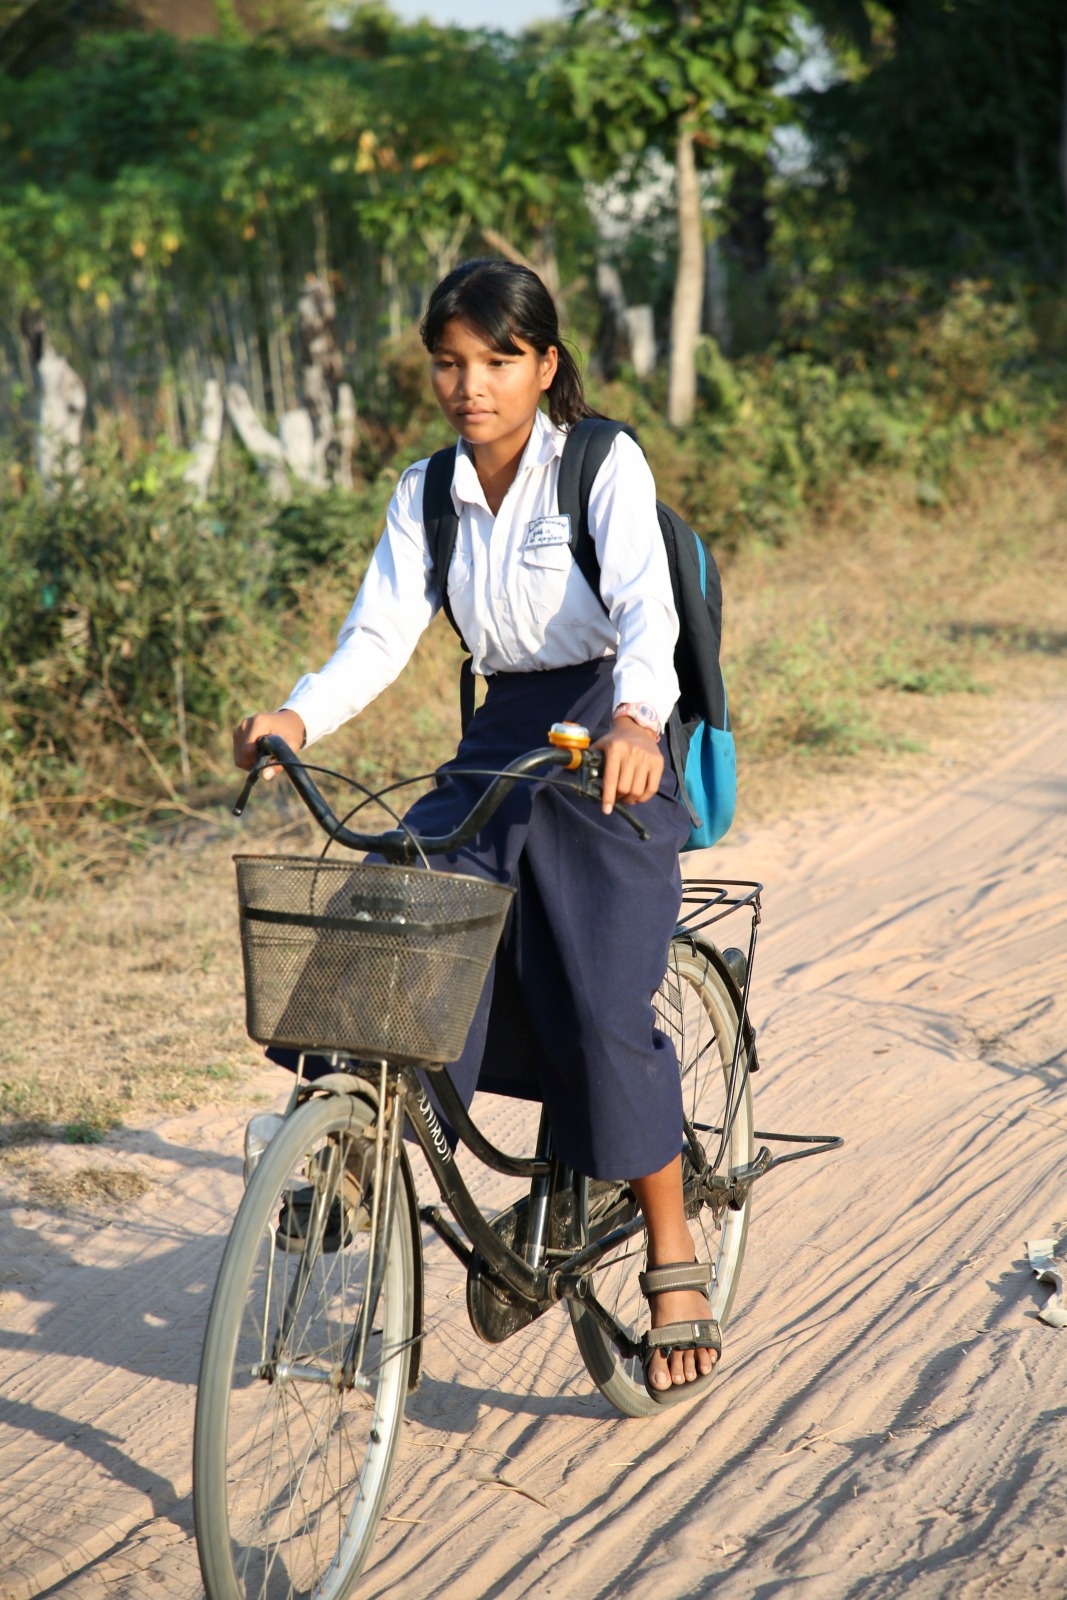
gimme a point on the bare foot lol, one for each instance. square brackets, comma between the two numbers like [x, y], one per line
[659, 1195]
[684, 1366]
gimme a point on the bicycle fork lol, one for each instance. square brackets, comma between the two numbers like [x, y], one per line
[389, 1130]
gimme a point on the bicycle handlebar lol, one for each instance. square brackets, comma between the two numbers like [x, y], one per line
[399, 845]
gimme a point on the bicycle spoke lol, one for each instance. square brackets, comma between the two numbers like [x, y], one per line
[305, 1460]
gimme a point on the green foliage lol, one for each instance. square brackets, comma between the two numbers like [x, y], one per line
[321, 530]
[85, 1132]
[942, 147]
[777, 432]
[119, 604]
[637, 71]
[185, 161]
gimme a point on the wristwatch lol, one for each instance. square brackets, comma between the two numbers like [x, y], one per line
[642, 713]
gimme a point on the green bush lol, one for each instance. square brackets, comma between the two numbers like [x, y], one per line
[119, 606]
[907, 386]
[136, 626]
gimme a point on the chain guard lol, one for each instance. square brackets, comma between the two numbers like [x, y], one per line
[496, 1310]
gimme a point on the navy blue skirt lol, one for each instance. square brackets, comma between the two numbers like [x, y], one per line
[568, 1004]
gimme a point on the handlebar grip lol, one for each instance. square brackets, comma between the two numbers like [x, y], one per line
[250, 783]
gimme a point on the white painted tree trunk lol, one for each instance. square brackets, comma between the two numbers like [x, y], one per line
[59, 421]
[346, 435]
[688, 285]
[315, 441]
[266, 450]
[320, 370]
[321, 374]
[641, 335]
[296, 430]
[205, 452]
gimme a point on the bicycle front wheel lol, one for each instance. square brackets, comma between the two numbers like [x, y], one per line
[698, 1008]
[305, 1372]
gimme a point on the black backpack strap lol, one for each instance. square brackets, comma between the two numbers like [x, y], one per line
[587, 448]
[442, 526]
[440, 520]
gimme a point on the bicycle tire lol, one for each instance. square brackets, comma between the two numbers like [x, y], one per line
[699, 1008]
[290, 1469]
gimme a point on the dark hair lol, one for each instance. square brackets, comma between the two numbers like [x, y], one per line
[505, 302]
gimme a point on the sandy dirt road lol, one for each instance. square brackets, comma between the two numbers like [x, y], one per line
[891, 1417]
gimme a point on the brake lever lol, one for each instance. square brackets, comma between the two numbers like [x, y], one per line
[592, 767]
[253, 777]
[638, 827]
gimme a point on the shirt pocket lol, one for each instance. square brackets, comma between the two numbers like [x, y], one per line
[460, 570]
[546, 557]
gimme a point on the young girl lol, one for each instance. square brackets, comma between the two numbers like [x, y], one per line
[587, 943]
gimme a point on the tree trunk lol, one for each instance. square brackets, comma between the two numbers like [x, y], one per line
[716, 298]
[320, 369]
[391, 280]
[266, 451]
[1063, 151]
[1023, 188]
[641, 336]
[748, 239]
[546, 259]
[63, 401]
[346, 435]
[689, 283]
[611, 331]
[205, 452]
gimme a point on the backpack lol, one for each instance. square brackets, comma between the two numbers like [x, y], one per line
[698, 731]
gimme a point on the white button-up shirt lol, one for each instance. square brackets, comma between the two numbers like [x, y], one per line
[518, 597]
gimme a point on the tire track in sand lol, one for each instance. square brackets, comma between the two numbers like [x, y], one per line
[890, 1416]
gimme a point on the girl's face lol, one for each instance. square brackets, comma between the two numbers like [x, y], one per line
[489, 397]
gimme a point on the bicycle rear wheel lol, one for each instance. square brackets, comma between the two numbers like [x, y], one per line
[699, 1009]
[290, 1465]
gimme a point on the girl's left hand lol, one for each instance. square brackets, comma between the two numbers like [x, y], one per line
[633, 765]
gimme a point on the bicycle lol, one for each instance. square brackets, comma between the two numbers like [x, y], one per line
[315, 1330]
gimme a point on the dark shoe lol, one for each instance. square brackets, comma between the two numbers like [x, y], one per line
[294, 1221]
[703, 1334]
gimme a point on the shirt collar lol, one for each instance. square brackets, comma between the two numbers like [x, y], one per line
[545, 443]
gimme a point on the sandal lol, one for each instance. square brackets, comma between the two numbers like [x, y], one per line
[294, 1223]
[702, 1334]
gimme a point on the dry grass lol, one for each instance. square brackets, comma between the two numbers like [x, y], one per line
[892, 630]
[91, 1188]
[853, 655]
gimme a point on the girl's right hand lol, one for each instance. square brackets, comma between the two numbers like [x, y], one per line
[246, 734]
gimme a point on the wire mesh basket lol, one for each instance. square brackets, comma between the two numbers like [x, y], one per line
[375, 961]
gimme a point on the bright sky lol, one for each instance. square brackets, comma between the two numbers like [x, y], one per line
[510, 15]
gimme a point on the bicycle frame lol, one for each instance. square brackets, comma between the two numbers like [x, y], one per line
[532, 1277]
[401, 1094]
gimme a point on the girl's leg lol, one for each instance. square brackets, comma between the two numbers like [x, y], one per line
[660, 1198]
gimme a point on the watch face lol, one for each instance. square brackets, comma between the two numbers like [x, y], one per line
[644, 715]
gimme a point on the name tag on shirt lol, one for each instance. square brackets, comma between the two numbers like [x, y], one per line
[547, 530]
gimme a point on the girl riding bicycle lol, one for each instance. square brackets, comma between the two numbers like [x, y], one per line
[587, 943]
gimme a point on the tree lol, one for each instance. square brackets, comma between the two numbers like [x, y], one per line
[944, 138]
[683, 77]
